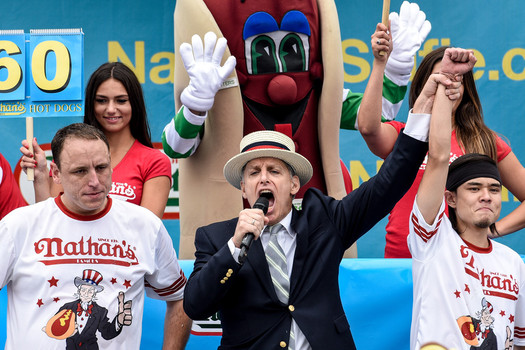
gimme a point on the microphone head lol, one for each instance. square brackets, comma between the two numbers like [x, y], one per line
[262, 203]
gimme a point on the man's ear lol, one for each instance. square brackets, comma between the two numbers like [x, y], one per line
[55, 172]
[296, 185]
[450, 198]
[242, 190]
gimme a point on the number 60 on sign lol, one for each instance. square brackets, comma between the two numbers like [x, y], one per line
[43, 66]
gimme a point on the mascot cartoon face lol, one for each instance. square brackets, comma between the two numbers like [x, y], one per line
[279, 67]
[277, 58]
[278, 55]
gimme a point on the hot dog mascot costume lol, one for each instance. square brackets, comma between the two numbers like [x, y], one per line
[288, 78]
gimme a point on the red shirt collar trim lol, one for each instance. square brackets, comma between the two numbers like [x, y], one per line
[62, 207]
[479, 249]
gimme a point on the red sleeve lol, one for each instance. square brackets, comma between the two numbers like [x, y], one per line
[397, 125]
[502, 147]
[10, 194]
[159, 164]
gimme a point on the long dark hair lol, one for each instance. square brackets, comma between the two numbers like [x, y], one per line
[473, 135]
[139, 121]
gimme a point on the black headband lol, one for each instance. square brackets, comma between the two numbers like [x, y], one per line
[475, 166]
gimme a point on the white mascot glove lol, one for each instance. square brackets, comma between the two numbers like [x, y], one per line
[203, 64]
[409, 30]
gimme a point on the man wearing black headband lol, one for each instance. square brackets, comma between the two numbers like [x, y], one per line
[469, 291]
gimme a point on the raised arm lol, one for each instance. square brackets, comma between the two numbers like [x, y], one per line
[430, 192]
[202, 61]
[379, 137]
[409, 30]
[440, 101]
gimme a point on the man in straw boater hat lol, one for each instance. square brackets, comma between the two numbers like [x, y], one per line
[288, 78]
[284, 293]
[469, 291]
[44, 245]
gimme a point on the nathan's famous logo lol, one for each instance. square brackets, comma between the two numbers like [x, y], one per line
[494, 283]
[122, 191]
[501, 282]
[56, 251]
[118, 190]
[12, 108]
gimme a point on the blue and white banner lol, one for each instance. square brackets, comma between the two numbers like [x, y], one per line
[41, 73]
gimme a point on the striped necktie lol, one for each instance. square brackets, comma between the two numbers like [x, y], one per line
[279, 271]
[277, 264]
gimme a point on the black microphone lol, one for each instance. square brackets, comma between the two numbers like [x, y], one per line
[261, 203]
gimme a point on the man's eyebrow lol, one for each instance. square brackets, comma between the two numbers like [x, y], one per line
[476, 183]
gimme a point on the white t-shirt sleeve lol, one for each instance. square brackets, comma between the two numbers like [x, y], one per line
[167, 282]
[422, 235]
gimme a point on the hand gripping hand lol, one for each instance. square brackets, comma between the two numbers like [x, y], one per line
[202, 62]
[409, 30]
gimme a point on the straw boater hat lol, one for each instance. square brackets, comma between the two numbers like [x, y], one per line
[262, 144]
